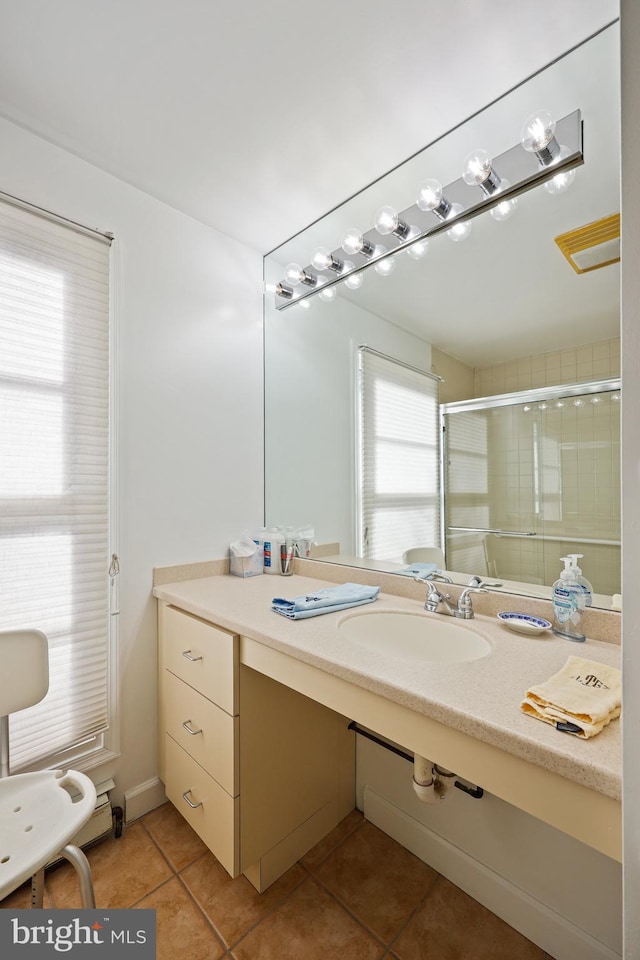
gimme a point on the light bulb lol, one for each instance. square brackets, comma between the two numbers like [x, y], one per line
[478, 171]
[559, 404]
[304, 304]
[538, 136]
[385, 267]
[354, 242]
[295, 275]
[419, 249]
[323, 259]
[459, 231]
[504, 209]
[328, 294]
[388, 221]
[560, 183]
[355, 281]
[280, 289]
[615, 396]
[432, 199]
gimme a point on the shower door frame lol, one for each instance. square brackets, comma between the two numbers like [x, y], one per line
[537, 395]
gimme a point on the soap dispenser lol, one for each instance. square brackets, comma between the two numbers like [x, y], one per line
[582, 581]
[569, 601]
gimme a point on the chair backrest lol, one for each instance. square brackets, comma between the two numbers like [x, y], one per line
[424, 555]
[24, 677]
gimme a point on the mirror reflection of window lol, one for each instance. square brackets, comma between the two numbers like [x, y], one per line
[399, 464]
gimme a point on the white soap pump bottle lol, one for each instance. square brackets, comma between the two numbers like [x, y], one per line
[580, 579]
[568, 604]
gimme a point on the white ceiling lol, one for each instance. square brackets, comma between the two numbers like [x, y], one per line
[257, 118]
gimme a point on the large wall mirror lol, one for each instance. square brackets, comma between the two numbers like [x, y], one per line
[526, 347]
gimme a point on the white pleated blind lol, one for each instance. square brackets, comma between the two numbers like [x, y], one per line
[54, 468]
[399, 484]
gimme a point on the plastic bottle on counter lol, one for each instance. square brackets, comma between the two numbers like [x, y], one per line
[569, 602]
[580, 579]
[273, 539]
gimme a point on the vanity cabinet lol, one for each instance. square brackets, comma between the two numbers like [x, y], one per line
[260, 771]
[199, 728]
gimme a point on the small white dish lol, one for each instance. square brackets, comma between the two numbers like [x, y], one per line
[524, 623]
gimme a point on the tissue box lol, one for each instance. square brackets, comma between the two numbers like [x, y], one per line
[246, 566]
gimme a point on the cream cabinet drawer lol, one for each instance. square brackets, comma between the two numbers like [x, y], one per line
[203, 803]
[206, 732]
[202, 655]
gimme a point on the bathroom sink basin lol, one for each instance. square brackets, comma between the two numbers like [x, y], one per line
[414, 637]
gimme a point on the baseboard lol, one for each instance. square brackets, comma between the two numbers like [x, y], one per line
[559, 937]
[143, 798]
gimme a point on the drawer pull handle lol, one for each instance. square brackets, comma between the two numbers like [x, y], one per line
[194, 806]
[189, 729]
[187, 654]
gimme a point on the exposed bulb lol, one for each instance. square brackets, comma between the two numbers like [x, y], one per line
[478, 171]
[388, 221]
[459, 231]
[294, 274]
[432, 199]
[280, 289]
[538, 136]
[355, 280]
[504, 209]
[385, 267]
[354, 243]
[560, 183]
[304, 304]
[328, 294]
[418, 250]
[323, 259]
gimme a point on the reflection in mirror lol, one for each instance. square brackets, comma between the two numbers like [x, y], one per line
[502, 313]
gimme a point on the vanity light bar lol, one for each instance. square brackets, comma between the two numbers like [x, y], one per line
[511, 173]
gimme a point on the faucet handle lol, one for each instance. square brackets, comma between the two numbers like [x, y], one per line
[477, 581]
[465, 607]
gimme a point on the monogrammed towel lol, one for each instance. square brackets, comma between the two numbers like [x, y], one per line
[582, 698]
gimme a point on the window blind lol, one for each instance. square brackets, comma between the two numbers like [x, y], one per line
[399, 454]
[54, 469]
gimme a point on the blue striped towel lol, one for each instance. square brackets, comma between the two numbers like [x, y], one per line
[327, 600]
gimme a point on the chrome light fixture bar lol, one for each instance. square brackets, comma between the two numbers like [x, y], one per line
[507, 175]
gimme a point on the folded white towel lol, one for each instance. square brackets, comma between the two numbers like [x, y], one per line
[584, 694]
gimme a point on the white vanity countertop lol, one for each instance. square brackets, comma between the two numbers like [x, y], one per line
[480, 697]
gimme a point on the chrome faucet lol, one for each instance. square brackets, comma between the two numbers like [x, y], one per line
[437, 603]
[477, 581]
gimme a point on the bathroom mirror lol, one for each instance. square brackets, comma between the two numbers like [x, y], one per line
[501, 313]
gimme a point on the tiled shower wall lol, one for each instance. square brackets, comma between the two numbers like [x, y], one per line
[595, 361]
[578, 450]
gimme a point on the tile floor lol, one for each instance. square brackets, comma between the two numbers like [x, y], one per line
[357, 895]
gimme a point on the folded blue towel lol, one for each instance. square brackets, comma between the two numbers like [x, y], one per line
[419, 570]
[327, 600]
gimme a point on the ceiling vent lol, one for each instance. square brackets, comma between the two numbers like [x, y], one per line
[595, 245]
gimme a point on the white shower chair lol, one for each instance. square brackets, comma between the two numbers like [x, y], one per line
[424, 555]
[39, 812]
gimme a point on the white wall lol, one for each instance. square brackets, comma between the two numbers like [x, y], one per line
[630, 34]
[189, 318]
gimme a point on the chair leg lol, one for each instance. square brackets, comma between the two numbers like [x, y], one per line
[78, 860]
[37, 889]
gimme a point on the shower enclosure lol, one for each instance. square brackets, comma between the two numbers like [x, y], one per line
[529, 477]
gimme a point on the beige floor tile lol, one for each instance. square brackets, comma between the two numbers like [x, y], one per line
[20, 899]
[376, 878]
[321, 851]
[452, 926]
[235, 906]
[181, 929]
[123, 870]
[178, 842]
[309, 925]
